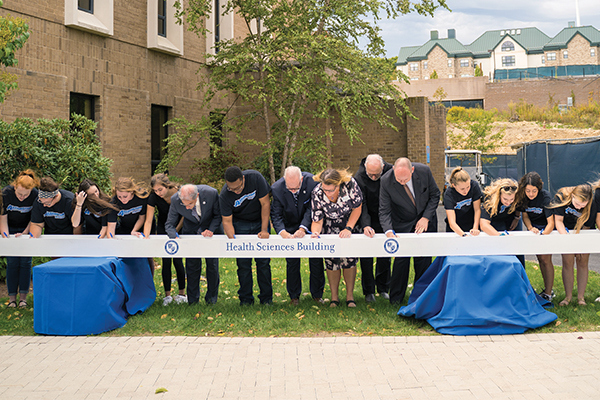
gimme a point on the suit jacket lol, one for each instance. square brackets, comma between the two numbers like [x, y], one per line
[396, 210]
[370, 190]
[210, 217]
[286, 215]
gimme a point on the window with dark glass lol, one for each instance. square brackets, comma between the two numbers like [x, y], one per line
[508, 46]
[216, 132]
[162, 18]
[217, 12]
[158, 134]
[86, 5]
[508, 61]
[82, 104]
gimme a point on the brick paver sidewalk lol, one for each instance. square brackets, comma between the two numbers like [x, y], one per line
[534, 366]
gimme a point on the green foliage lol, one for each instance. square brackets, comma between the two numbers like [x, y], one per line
[440, 94]
[479, 135]
[303, 65]
[478, 71]
[66, 150]
[14, 32]
[211, 170]
[434, 75]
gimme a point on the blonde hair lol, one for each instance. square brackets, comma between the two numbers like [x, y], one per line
[493, 192]
[26, 179]
[130, 185]
[583, 193]
[459, 175]
[332, 176]
[163, 180]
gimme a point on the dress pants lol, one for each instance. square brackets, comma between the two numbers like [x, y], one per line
[381, 278]
[193, 272]
[399, 280]
[294, 280]
[244, 272]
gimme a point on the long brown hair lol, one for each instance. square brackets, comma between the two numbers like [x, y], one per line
[530, 178]
[130, 185]
[583, 193]
[492, 195]
[100, 205]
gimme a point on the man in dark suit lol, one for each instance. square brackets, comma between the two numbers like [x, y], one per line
[408, 200]
[368, 177]
[199, 207]
[290, 215]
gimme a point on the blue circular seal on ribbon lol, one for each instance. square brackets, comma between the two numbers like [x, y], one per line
[391, 246]
[171, 247]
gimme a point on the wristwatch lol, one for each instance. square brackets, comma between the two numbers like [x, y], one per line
[348, 228]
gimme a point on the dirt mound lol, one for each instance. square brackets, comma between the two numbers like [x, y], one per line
[519, 132]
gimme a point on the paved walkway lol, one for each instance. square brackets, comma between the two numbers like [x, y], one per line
[535, 366]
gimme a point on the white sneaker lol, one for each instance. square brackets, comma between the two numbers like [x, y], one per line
[180, 299]
[597, 300]
[167, 300]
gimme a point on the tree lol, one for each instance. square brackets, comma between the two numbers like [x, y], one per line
[478, 135]
[302, 65]
[434, 75]
[14, 32]
[478, 70]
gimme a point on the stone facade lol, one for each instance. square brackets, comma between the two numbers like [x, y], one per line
[578, 51]
[126, 78]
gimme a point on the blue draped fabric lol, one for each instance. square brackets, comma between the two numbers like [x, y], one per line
[83, 296]
[477, 295]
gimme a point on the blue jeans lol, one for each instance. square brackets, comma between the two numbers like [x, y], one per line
[244, 272]
[18, 274]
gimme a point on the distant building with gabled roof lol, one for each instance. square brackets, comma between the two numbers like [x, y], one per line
[523, 49]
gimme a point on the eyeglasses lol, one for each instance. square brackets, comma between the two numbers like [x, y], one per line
[238, 188]
[511, 188]
[374, 176]
[330, 190]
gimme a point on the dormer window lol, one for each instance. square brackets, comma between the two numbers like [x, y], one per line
[508, 46]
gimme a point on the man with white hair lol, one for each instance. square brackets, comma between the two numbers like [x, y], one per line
[291, 217]
[199, 207]
[408, 201]
[368, 177]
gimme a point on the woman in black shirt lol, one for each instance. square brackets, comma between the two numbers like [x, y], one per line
[462, 202]
[93, 212]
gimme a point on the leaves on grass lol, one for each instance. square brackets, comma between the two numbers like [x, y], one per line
[163, 316]
[558, 323]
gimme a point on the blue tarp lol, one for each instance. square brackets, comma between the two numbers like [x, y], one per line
[84, 296]
[477, 295]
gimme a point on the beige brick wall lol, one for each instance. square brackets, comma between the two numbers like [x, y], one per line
[438, 61]
[579, 52]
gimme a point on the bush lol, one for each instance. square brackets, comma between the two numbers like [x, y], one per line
[66, 150]
[211, 170]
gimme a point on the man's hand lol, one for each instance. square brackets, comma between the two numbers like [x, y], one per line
[263, 235]
[285, 234]
[300, 233]
[207, 233]
[370, 232]
[421, 225]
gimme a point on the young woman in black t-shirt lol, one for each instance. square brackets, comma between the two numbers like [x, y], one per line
[572, 207]
[93, 213]
[15, 217]
[160, 200]
[532, 201]
[462, 202]
[53, 210]
[131, 199]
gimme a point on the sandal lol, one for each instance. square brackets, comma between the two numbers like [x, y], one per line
[563, 303]
[12, 304]
[22, 304]
[350, 303]
[334, 303]
[582, 303]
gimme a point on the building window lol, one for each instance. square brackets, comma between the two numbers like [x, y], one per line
[450, 63]
[565, 54]
[220, 26]
[164, 33]
[551, 56]
[543, 59]
[508, 61]
[508, 46]
[216, 133]
[81, 14]
[158, 134]
[424, 64]
[464, 63]
[162, 18]
[449, 75]
[86, 5]
[414, 66]
[592, 52]
[82, 104]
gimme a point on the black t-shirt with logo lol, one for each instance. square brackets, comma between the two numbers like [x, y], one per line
[246, 205]
[537, 209]
[163, 211]
[56, 219]
[129, 213]
[502, 220]
[462, 206]
[18, 213]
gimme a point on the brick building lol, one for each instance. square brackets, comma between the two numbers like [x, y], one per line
[130, 67]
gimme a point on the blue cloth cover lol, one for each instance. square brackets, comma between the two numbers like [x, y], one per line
[477, 295]
[83, 296]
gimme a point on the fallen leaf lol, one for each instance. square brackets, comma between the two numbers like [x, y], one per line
[163, 316]
[160, 390]
[558, 323]
[277, 294]
[580, 337]
[209, 318]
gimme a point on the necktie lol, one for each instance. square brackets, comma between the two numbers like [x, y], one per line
[410, 196]
[295, 199]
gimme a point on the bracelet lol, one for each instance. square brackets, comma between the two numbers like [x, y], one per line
[348, 228]
[77, 205]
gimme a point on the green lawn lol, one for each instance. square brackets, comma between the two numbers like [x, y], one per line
[228, 318]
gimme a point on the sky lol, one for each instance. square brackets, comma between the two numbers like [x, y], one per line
[471, 18]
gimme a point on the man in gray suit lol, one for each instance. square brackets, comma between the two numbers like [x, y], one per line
[199, 207]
